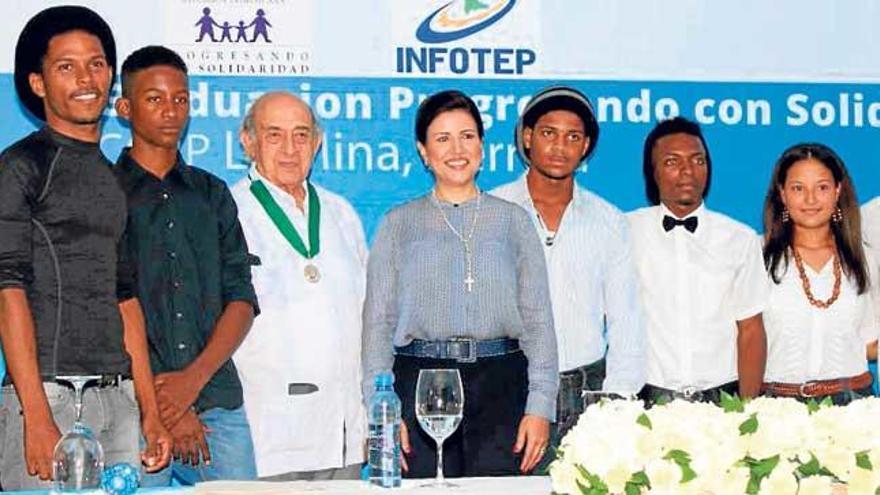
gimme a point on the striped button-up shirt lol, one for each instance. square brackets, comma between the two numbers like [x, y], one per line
[593, 286]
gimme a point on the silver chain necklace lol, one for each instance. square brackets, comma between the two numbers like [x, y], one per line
[469, 279]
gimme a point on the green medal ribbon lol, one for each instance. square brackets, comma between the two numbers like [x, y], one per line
[264, 197]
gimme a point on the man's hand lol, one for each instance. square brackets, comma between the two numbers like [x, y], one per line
[190, 445]
[40, 439]
[157, 453]
[176, 391]
[533, 437]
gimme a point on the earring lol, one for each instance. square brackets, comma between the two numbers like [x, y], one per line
[837, 216]
[785, 215]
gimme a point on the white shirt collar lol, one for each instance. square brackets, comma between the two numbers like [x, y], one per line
[278, 193]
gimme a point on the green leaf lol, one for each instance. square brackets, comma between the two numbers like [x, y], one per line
[663, 400]
[812, 406]
[636, 482]
[826, 402]
[683, 460]
[765, 466]
[758, 470]
[596, 485]
[678, 456]
[811, 468]
[640, 478]
[749, 426]
[863, 461]
[731, 403]
[645, 421]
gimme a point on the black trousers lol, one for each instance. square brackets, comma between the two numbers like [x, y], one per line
[495, 392]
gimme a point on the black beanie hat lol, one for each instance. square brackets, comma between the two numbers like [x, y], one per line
[557, 98]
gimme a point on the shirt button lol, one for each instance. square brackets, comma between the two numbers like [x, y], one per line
[170, 224]
[181, 346]
[178, 315]
[165, 195]
[176, 284]
[172, 254]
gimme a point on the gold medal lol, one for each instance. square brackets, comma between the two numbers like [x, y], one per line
[312, 274]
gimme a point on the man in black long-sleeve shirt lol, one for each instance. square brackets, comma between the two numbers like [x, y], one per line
[67, 304]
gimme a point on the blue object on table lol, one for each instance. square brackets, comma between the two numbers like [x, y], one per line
[2, 369]
[384, 433]
[872, 366]
[120, 479]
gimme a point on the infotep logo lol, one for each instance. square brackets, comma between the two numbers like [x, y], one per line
[454, 21]
[445, 24]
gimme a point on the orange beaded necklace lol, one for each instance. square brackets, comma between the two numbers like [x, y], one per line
[805, 282]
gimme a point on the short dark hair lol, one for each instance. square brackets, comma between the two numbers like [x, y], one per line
[33, 44]
[675, 125]
[444, 101]
[146, 57]
[779, 234]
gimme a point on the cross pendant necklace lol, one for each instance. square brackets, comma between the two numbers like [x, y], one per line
[469, 267]
[469, 279]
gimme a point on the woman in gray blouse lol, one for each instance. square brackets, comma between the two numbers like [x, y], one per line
[456, 279]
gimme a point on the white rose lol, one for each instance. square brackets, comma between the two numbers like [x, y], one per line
[863, 482]
[815, 485]
[732, 482]
[781, 481]
[838, 460]
[616, 477]
[664, 477]
[564, 478]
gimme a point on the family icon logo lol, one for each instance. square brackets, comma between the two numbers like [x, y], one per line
[461, 18]
[234, 32]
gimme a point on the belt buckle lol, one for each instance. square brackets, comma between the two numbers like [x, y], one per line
[455, 345]
[690, 393]
[802, 390]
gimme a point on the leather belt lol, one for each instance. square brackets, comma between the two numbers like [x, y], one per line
[464, 350]
[106, 380]
[819, 388]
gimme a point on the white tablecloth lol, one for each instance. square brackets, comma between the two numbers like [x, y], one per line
[466, 486]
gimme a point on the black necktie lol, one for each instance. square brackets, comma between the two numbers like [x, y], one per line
[669, 223]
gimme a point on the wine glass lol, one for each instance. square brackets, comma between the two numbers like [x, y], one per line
[439, 407]
[78, 461]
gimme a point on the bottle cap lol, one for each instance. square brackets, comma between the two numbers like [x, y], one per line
[384, 380]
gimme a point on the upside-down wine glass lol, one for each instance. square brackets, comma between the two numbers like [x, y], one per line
[79, 458]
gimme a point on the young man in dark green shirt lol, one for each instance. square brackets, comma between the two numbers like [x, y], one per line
[194, 278]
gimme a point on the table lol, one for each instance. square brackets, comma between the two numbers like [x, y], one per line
[513, 485]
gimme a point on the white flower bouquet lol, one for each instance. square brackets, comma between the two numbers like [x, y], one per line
[761, 446]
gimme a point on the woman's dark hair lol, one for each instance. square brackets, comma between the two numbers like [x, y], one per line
[676, 125]
[444, 101]
[778, 235]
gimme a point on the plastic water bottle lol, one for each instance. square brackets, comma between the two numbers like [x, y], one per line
[384, 439]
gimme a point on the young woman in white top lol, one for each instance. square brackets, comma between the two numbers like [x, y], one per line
[822, 318]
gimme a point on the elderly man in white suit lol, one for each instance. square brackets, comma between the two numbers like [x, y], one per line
[300, 365]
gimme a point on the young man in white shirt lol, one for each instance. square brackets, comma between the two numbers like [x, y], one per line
[593, 283]
[703, 283]
[300, 365]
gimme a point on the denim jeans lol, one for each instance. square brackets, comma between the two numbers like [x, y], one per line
[111, 412]
[570, 405]
[231, 447]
